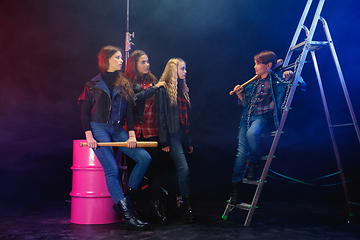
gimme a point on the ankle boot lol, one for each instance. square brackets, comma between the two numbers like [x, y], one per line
[128, 219]
[158, 212]
[189, 216]
[172, 208]
[137, 205]
[235, 196]
[253, 173]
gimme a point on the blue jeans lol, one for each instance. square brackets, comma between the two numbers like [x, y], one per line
[106, 132]
[249, 144]
[177, 145]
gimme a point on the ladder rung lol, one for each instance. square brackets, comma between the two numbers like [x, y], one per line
[243, 206]
[253, 182]
[342, 125]
[270, 134]
[298, 46]
[265, 158]
[314, 46]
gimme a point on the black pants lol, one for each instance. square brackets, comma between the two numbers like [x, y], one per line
[155, 172]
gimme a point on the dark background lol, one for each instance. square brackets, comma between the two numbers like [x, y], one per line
[49, 50]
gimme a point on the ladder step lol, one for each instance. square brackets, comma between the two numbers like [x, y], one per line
[268, 134]
[243, 206]
[342, 125]
[252, 182]
[265, 158]
[314, 45]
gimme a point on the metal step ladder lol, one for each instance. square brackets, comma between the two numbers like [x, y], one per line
[304, 48]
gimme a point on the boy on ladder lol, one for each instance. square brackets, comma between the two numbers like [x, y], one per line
[262, 101]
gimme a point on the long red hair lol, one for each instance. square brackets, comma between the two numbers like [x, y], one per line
[121, 83]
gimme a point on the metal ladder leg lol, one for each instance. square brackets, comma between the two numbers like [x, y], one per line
[297, 32]
[330, 126]
[341, 76]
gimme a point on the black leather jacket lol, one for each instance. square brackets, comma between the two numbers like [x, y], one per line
[168, 118]
[141, 96]
[102, 106]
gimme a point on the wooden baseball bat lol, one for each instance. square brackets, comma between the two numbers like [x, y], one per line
[279, 62]
[122, 144]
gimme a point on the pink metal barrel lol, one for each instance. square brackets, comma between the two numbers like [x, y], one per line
[91, 202]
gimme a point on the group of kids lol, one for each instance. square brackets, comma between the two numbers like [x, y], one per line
[158, 110]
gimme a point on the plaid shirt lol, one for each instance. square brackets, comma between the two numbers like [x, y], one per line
[184, 119]
[261, 101]
[148, 125]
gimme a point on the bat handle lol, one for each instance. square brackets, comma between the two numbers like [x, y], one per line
[278, 64]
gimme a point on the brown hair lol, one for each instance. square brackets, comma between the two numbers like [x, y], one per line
[121, 83]
[131, 70]
[266, 57]
[104, 55]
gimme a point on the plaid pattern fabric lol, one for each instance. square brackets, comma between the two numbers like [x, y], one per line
[148, 125]
[184, 119]
[262, 99]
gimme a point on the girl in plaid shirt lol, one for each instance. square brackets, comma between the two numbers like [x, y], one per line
[145, 85]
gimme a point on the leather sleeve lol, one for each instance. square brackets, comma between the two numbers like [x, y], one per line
[143, 94]
[86, 107]
[129, 116]
[161, 117]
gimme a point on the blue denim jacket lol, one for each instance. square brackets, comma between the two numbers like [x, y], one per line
[278, 91]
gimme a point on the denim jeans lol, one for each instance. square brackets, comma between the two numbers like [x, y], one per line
[249, 144]
[177, 145]
[106, 132]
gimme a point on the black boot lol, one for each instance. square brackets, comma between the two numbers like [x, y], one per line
[235, 196]
[128, 219]
[253, 173]
[189, 213]
[158, 211]
[172, 208]
[137, 205]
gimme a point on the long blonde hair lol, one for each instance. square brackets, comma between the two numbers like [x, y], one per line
[170, 76]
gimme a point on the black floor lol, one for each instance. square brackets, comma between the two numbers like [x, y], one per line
[271, 221]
